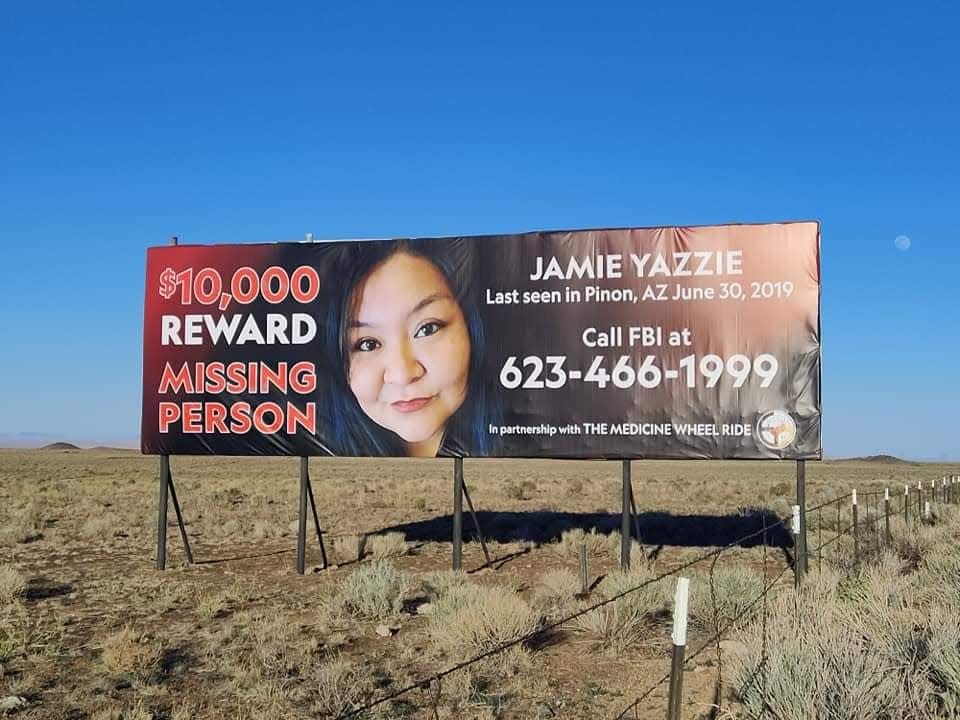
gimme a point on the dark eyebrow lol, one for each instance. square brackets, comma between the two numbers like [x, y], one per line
[428, 300]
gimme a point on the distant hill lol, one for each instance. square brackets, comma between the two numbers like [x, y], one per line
[60, 446]
[35, 440]
[890, 459]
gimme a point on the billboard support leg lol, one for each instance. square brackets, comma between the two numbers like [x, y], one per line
[167, 493]
[801, 559]
[302, 519]
[304, 463]
[636, 518]
[176, 509]
[457, 513]
[476, 524]
[625, 538]
[162, 513]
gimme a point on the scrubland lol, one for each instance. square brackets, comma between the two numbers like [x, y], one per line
[90, 629]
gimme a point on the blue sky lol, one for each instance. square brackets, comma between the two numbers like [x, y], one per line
[124, 123]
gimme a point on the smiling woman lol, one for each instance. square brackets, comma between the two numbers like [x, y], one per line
[408, 349]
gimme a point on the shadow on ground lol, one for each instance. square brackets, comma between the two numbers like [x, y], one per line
[656, 528]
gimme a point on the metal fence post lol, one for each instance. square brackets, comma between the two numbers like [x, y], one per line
[584, 574]
[906, 504]
[797, 562]
[802, 502]
[680, 604]
[886, 515]
[856, 534]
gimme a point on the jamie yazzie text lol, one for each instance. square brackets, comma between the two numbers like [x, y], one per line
[250, 382]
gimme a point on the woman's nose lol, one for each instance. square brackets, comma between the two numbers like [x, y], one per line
[402, 366]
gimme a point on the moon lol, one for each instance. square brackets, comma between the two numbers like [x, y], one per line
[902, 243]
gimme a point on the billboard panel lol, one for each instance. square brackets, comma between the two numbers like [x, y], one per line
[670, 342]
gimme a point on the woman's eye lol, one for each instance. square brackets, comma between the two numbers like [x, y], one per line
[366, 345]
[427, 329]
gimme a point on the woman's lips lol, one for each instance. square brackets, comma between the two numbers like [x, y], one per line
[409, 406]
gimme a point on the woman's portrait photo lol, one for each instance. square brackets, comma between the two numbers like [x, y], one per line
[408, 351]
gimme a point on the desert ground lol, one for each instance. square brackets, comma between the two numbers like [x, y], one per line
[89, 628]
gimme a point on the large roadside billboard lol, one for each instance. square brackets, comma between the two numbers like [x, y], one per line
[669, 342]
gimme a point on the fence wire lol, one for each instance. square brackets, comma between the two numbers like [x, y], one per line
[427, 682]
[433, 683]
[714, 640]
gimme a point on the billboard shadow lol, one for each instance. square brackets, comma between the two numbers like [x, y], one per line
[656, 528]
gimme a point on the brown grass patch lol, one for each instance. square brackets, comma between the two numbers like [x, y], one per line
[128, 652]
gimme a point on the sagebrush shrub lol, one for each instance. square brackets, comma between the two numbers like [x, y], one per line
[556, 592]
[734, 591]
[373, 592]
[472, 619]
[626, 621]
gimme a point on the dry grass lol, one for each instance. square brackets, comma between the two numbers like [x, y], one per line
[472, 619]
[128, 652]
[568, 546]
[28, 635]
[136, 711]
[262, 647]
[556, 592]
[627, 621]
[388, 545]
[348, 548]
[341, 686]
[12, 585]
[23, 526]
[439, 584]
[245, 637]
[210, 605]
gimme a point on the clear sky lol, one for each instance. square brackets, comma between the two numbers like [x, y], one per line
[124, 123]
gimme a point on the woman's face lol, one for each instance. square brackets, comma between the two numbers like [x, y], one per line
[409, 350]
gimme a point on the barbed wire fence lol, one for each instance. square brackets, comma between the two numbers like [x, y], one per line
[869, 534]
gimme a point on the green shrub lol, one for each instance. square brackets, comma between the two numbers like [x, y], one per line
[373, 592]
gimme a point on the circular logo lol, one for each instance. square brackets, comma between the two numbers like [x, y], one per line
[776, 429]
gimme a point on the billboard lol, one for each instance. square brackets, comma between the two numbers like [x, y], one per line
[668, 342]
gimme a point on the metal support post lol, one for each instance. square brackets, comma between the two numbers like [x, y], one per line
[625, 538]
[305, 467]
[162, 512]
[584, 573]
[180, 523]
[476, 523]
[302, 518]
[457, 513]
